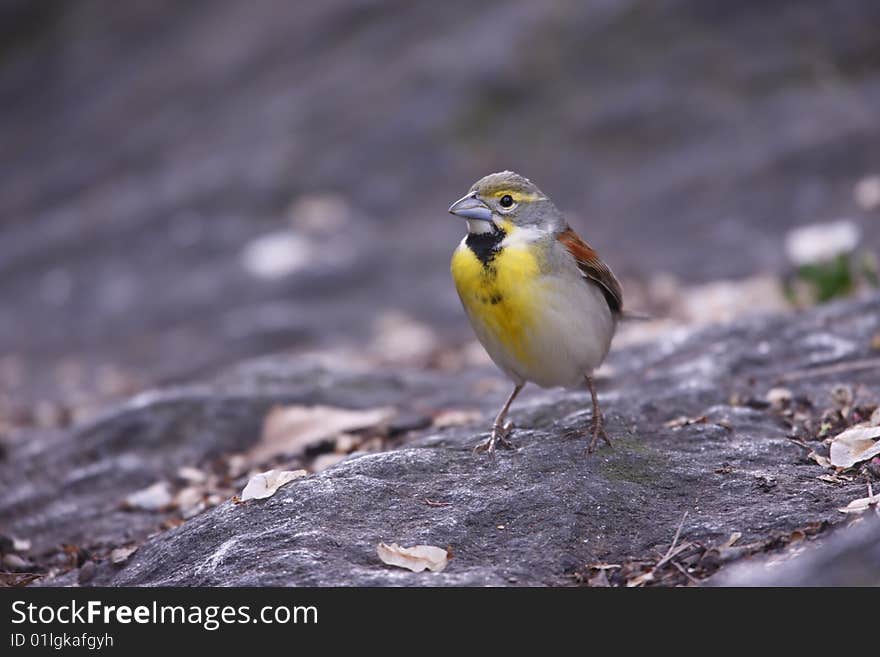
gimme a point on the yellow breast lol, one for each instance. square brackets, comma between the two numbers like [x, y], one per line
[500, 297]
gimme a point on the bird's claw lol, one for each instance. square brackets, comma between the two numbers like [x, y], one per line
[597, 429]
[497, 439]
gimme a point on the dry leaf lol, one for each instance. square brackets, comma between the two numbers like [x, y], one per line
[347, 443]
[824, 461]
[236, 465]
[856, 444]
[416, 558]
[266, 484]
[188, 499]
[276, 255]
[20, 544]
[289, 430]
[15, 562]
[152, 498]
[399, 338]
[779, 398]
[324, 461]
[816, 243]
[121, 554]
[867, 192]
[861, 504]
[191, 475]
[685, 421]
[456, 418]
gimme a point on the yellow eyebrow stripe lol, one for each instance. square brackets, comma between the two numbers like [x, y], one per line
[519, 197]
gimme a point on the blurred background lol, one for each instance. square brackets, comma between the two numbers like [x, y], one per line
[185, 185]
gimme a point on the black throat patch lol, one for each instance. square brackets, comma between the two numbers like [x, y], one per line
[486, 245]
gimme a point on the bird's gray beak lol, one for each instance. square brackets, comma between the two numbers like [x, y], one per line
[470, 207]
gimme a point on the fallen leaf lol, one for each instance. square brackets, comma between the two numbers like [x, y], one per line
[824, 461]
[734, 537]
[236, 465]
[779, 398]
[685, 421]
[815, 243]
[856, 444]
[266, 484]
[191, 475]
[152, 498]
[276, 255]
[324, 461]
[347, 443]
[289, 430]
[15, 562]
[188, 498]
[456, 418]
[121, 554]
[867, 192]
[416, 558]
[400, 338]
[193, 511]
[861, 504]
[20, 544]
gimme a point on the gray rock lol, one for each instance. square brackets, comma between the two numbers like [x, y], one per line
[531, 517]
[847, 558]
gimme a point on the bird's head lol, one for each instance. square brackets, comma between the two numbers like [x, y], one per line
[506, 200]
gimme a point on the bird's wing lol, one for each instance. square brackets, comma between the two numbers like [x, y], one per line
[592, 268]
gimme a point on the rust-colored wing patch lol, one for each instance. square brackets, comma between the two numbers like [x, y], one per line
[593, 268]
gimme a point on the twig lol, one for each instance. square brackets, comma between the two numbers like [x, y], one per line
[863, 364]
[684, 572]
[799, 443]
[671, 551]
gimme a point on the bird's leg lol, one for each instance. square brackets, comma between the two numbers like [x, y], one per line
[597, 425]
[500, 428]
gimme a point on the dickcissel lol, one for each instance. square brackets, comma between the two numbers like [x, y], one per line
[539, 298]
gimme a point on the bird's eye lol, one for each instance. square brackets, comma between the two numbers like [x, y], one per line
[506, 201]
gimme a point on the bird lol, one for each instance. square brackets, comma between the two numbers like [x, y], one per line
[541, 301]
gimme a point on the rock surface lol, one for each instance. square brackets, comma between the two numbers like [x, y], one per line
[536, 516]
[848, 558]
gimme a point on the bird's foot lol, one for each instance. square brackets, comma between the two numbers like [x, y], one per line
[497, 439]
[597, 430]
